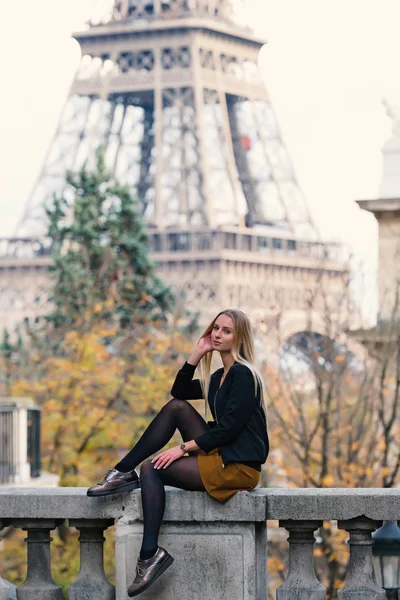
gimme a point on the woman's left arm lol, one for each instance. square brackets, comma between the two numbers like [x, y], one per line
[163, 460]
[240, 405]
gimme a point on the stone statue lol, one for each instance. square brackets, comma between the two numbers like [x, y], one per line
[394, 113]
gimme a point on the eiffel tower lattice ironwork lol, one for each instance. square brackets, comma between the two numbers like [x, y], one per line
[172, 90]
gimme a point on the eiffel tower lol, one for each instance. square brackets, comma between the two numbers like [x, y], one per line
[171, 90]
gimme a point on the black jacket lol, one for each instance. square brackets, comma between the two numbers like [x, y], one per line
[240, 429]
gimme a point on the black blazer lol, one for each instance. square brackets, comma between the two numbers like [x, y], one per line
[240, 429]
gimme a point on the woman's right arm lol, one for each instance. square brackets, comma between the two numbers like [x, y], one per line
[185, 387]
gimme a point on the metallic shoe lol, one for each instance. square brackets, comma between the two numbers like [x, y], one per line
[147, 571]
[115, 482]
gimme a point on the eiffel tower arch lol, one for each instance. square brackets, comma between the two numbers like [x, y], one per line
[172, 91]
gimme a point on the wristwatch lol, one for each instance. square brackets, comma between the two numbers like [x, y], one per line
[183, 447]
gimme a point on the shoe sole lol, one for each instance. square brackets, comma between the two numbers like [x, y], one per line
[127, 487]
[163, 567]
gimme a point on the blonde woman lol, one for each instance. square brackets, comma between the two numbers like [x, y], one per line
[224, 455]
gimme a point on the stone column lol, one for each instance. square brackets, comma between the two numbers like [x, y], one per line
[92, 583]
[39, 582]
[23, 468]
[360, 582]
[301, 582]
[213, 560]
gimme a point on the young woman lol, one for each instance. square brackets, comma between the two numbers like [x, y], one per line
[224, 456]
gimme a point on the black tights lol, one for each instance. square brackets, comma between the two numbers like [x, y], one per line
[183, 473]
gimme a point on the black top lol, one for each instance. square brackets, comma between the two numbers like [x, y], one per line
[240, 429]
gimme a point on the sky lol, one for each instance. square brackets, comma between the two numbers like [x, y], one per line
[327, 65]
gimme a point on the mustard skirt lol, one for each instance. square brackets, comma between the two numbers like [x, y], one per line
[223, 482]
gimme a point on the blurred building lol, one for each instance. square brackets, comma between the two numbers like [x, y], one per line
[386, 208]
[20, 459]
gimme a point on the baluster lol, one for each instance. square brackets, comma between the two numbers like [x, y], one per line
[360, 582]
[4, 589]
[38, 583]
[92, 583]
[301, 582]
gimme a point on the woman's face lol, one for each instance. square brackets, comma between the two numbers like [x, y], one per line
[222, 334]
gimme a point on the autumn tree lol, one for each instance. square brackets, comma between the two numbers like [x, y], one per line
[110, 316]
[101, 363]
[96, 402]
[333, 415]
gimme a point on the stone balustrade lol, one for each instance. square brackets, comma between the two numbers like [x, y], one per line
[220, 550]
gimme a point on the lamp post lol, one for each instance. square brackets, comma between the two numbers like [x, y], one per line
[386, 558]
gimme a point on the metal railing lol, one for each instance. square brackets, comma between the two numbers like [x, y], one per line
[245, 241]
[33, 433]
[8, 447]
[24, 248]
[233, 238]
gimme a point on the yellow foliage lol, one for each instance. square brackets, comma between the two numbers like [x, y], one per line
[329, 425]
[96, 402]
[65, 557]
[381, 445]
[275, 565]
[328, 481]
[339, 359]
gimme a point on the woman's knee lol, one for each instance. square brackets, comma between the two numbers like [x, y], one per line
[147, 469]
[175, 405]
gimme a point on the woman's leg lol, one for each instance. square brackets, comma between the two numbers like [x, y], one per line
[183, 473]
[176, 414]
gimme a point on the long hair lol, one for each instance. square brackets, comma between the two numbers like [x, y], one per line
[242, 352]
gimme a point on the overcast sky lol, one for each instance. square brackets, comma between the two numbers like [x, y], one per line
[327, 66]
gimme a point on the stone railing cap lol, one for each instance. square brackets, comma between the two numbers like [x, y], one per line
[258, 505]
[73, 503]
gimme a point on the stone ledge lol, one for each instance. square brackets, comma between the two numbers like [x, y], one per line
[58, 503]
[72, 503]
[182, 506]
[332, 503]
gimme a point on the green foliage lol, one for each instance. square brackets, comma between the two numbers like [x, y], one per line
[100, 252]
[101, 364]
[11, 359]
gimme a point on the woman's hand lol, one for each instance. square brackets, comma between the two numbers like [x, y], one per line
[205, 344]
[166, 458]
[203, 347]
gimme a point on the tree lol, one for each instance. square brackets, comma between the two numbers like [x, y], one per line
[96, 402]
[102, 362]
[100, 252]
[12, 359]
[333, 416]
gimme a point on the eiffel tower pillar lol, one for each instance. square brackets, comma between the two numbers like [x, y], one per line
[171, 90]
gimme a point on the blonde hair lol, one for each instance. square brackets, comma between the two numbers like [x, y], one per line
[242, 352]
